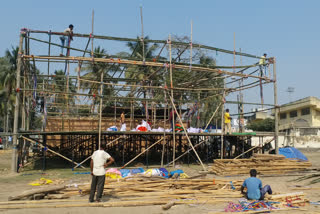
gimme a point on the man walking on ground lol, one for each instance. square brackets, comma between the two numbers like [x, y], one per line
[227, 122]
[254, 187]
[98, 172]
[66, 38]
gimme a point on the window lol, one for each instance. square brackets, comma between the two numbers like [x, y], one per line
[283, 116]
[294, 113]
[305, 111]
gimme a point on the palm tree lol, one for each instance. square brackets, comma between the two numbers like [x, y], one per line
[94, 72]
[8, 68]
[59, 85]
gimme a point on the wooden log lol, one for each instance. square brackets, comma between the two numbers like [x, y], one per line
[36, 191]
[112, 204]
[168, 205]
[57, 196]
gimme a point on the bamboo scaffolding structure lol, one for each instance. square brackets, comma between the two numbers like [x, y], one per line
[50, 150]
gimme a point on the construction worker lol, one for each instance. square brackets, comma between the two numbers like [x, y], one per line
[122, 118]
[263, 64]
[255, 191]
[66, 38]
[99, 161]
[227, 122]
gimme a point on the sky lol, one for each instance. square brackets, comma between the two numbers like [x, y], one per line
[287, 30]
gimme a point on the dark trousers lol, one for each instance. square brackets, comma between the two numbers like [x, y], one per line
[264, 190]
[97, 183]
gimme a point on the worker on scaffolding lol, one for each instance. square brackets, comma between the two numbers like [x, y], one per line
[66, 39]
[122, 118]
[227, 122]
[173, 118]
[263, 65]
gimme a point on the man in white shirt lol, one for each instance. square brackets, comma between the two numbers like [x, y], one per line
[66, 38]
[99, 161]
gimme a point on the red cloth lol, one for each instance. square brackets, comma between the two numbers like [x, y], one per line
[142, 129]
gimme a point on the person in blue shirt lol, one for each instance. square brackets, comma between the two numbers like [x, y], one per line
[254, 187]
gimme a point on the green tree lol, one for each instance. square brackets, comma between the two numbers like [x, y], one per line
[141, 50]
[93, 72]
[266, 125]
[61, 99]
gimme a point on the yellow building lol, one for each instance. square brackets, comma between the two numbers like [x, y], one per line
[303, 113]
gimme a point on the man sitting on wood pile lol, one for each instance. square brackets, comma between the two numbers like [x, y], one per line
[254, 187]
[98, 172]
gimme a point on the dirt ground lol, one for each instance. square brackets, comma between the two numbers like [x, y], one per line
[13, 184]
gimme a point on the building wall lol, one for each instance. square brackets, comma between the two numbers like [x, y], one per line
[290, 122]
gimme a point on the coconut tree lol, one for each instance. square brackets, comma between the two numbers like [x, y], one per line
[93, 72]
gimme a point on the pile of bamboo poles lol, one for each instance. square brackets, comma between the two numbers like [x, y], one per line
[263, 163]
[289, 199]
[136, 191]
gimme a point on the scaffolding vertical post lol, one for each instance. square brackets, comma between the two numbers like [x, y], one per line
[222, 121]
[142, 35]
[172, 111]
[16, 110]
[92, 33]
[100, 114]
[276, 110]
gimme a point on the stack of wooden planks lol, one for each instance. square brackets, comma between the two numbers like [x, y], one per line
[138, 191]
[263, 163]
[289, 199]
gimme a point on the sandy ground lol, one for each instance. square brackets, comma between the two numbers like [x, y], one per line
[13, 184]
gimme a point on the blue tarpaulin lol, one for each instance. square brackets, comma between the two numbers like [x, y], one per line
[291, 152]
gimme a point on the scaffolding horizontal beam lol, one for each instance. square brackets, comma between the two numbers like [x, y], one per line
[149, 41]
[142, 63]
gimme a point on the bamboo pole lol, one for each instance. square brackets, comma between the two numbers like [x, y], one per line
[173, 107]
[146, 63]
[149, 41]
[50, 150]
[191, 45]
[222, 123]
[186, 152]
[142, 36]
[186, 133]
[246, 152]
[16, 109]
[276, 110]
[164, 129]
[214, 113]
[80, 164]
[92, 25]
[141, 153]
[100, 114]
